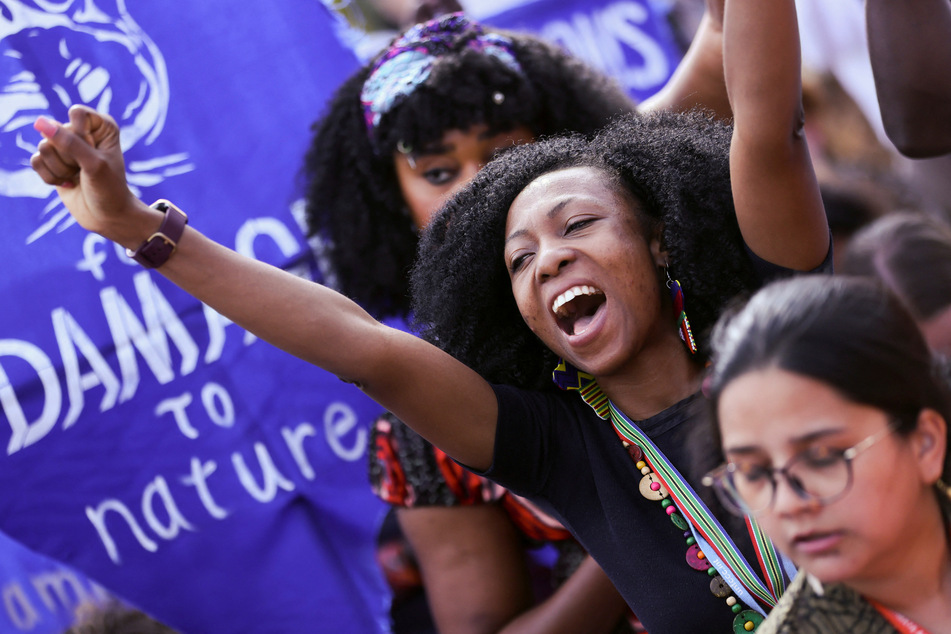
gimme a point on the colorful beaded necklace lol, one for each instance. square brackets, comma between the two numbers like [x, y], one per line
[709, 547]
[652, 488]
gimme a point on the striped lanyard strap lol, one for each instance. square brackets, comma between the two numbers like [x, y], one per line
[703, 522]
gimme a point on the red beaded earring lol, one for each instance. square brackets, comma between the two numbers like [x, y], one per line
[683, 324]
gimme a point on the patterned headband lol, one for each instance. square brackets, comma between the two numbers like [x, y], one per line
[409, 60]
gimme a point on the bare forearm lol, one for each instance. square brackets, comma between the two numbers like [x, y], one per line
[762, 66]
[698, 80]
[331, 331]
[775, 191]
[476, 551]
[586, 602]
[910, 48]
[305, 319]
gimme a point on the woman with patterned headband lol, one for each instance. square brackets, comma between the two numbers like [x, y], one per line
[418, 122]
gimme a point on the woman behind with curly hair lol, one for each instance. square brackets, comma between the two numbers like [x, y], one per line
[587, 260]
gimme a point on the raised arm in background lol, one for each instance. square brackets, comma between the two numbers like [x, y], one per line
[909, 42]
[698, 80]
[775, 191]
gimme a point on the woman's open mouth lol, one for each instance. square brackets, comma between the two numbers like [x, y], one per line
[575, 308]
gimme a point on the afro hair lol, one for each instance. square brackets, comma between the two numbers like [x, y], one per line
[675, 165]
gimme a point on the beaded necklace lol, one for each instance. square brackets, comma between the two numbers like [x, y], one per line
[709, 547]
[652, 488]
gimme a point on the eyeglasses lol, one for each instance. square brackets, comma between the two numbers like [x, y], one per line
[819, 474]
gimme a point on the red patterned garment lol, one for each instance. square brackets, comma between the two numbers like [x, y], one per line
[406, 471]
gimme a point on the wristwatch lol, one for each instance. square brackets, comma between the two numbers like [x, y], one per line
[160, 246]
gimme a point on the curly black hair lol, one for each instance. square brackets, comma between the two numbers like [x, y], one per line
[675, 165]
[354, 203]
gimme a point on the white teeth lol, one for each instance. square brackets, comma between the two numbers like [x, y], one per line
[570, 294]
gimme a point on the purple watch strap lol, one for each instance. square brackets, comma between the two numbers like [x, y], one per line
[155, 251]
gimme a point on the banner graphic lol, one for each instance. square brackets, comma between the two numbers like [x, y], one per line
[145, 441]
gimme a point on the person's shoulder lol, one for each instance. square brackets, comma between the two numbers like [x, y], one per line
[555, 403]
[807, 607]
[783, 617]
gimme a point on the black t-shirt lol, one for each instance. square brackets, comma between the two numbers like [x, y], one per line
[553, 449]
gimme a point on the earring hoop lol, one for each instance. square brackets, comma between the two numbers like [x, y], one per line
[683, 324]
[406, 150]
[943, 488]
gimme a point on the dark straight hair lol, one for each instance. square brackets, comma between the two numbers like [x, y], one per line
[850, 333]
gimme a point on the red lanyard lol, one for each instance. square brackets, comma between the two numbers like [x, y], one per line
[899, 621]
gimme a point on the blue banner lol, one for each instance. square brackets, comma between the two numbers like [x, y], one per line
[40, 595]
[145, 441]
[631, 40]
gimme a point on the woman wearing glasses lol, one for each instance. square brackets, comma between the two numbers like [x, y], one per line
[833, 420]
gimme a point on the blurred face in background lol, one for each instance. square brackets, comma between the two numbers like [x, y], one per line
[937, 331]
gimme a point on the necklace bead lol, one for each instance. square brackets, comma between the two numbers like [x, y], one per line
[679, 521]
[651, 488]
[747, 621]
[720, 589]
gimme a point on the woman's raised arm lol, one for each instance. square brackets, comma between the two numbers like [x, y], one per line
[415, 380]
[775, 190]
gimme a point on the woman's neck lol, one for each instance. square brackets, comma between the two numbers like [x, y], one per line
[920, 587]
[655, 380]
